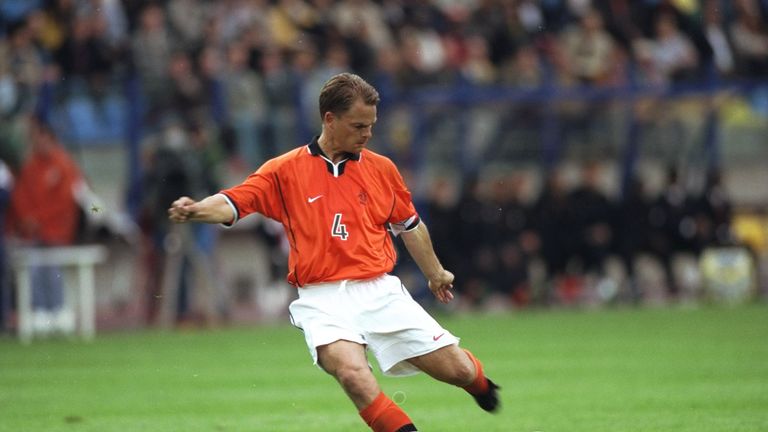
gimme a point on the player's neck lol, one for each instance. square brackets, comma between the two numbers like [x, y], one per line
[330, 151]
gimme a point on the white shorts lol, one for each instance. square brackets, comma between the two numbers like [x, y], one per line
[379, 313]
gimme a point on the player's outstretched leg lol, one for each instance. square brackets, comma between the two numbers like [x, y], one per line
[483, 389]
[459, 367]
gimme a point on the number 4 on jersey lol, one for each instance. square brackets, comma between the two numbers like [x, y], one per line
[339, 229]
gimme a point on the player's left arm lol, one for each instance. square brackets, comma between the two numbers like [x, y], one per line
[419, 245]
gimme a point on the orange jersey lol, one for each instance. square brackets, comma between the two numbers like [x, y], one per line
[336, 216]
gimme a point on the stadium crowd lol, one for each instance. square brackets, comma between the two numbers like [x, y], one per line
[494, 229]
[224, 85]
[270, 55]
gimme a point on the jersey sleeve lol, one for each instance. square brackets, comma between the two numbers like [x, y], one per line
[257, 194]
[403, 216]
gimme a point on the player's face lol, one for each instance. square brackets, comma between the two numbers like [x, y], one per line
[353, 129]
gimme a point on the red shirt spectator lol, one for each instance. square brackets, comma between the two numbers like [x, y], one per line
[43, 207]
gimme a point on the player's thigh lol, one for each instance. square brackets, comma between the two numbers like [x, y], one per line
[448, 364]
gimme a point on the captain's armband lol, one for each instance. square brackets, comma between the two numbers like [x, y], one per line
[235, 213]
[407, 225]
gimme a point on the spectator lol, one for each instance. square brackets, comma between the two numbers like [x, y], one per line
[621, 19]
[362, 19]
[187, 20]
[443, 218]
[289, 20]
[48, 28]
[619, 69]
[12, 127]
[424, 56]
[184, 160]
[455, 43]
[307, 64]
[590, 48]
[44, 212]
[234, 18]
[254, 41]
[633, 230]
[579, 8]
[556, 230]
[6, 187]
[499, 25]
[472, 236]
[523, 70]
[187, 95]
[246, 105]
[84, 59]
[563, 69]
[674, 55]
[281, 84]
[750, 40]
[189, 281]
[486, 19]
[111, 24]
[672, 228]
[478, 69]
[717, 37]
[713, 213]
[43, 206]
[517, 240]
[25, 64]
[152, 48]
[12, 103]
[210, 66]
[164, 175]
[531, 16]
[592, 216]
[388, 75]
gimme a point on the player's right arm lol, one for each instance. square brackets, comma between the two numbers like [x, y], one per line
[213, 209]
[257, 194]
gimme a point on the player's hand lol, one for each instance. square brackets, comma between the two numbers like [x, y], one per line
[182, 210]
[441, 284]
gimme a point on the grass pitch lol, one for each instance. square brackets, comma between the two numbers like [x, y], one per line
[617, 370]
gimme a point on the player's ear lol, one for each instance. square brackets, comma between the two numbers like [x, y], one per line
[328, 118]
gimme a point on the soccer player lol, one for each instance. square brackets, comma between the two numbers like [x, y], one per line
[337, 201]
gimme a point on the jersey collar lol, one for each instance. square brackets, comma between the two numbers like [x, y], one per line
[315, 150]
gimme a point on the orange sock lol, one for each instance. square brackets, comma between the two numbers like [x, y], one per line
[382, 415]
[480, 384]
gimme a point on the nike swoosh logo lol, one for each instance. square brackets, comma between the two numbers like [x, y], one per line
[435, 338]
[313, 199]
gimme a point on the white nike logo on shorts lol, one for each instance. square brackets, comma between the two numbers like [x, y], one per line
[313, 199]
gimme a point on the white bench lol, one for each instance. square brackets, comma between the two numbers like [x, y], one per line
[80, 296]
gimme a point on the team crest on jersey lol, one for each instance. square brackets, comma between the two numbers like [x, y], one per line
[363, 197]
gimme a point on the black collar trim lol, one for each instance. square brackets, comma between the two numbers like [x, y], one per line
[335, 169]
[315, 150]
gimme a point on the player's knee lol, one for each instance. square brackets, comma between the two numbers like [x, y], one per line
[356, 379]
[463, 373]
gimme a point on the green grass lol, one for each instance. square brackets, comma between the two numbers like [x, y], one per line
[618, 370]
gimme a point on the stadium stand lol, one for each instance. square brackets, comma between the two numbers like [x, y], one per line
[487, 104]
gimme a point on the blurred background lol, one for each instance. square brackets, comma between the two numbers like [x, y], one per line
[564, 153]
